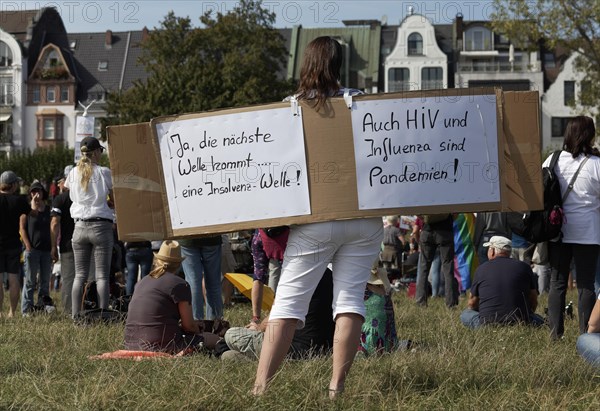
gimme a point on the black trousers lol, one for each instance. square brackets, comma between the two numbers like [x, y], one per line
[585, 257]
[429, 242]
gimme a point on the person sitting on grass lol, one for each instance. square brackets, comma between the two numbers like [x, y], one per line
[378, 333]
[315, 338]
[588, 344]
[160, 312]
[504, 290]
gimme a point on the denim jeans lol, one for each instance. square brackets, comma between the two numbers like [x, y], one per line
[430, 242]
[67, 274]
[585, 257]
[437, 282]
[597, 281]
[137, 258]
[204, 262]
[588, 346]
[36, 261]
[470, 318]
[92, 240]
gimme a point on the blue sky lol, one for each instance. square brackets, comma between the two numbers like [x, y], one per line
[98, 16]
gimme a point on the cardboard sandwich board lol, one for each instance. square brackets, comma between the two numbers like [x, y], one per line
[453, 150]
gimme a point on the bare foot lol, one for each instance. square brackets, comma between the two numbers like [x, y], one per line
[258, 390]
[335, 393]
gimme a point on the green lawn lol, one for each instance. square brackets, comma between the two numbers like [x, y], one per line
[44, 366]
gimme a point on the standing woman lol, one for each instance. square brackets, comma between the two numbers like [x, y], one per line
[580, 239]
[350, 245]
[90, 188]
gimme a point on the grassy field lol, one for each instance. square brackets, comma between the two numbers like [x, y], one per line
[44, 366]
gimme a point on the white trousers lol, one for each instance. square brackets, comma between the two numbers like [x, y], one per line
[351, 246]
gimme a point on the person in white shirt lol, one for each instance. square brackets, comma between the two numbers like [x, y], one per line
[90, 189]
[580, 239]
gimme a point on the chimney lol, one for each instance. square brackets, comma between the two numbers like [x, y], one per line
[457, 31]
[145, 33]
[108, 39]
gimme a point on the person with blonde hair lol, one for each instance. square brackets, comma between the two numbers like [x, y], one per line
[350, 245]
[90, 189]
[161, 301]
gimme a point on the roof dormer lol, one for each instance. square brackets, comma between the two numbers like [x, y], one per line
[51, 65]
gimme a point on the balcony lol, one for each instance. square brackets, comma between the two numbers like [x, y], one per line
[495, 67]
[6, 100]
[5, 139]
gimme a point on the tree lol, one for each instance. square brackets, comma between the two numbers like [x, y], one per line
[574, 25]
[234, 60]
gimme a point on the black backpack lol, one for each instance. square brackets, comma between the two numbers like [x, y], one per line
[546, 224]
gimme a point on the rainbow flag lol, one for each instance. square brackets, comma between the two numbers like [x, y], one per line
[465, 255]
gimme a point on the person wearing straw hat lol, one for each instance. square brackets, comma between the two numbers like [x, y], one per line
[378, 333]
[161, 301]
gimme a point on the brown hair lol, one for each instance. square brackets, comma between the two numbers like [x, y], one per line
[579, 136]
[320, 72]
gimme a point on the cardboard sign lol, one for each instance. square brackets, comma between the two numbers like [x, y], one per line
[213, 164]
[422, 151]
[141, 186]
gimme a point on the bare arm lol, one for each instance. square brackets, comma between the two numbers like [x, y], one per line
[533, 300]
[594, 323]
[23, 231]
[54, 233]
[473, 302]
[187, 318]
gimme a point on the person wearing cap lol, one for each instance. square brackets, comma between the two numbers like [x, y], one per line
[161, 301]
[62, 226]
[504, 290]
[12, 206]
[90, 189]
[34, 228]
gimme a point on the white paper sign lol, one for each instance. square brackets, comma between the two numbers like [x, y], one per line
[426, 151]
[234, 167]
[84, 127]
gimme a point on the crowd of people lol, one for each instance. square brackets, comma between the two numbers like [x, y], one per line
[332, 286]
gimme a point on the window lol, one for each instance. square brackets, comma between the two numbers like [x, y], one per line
[398, 79]
[64, 94]
[50, 125]
[549, 61]
[569, 95]
[432, 78]
[478, 39]
[53, 59]
[98, 129]
[35, 98]
[559, 125]
[415, 45]
[6, 91]
[49, 133]
[5, 130]
[102, 65]
[50, 95]
[6, 57]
